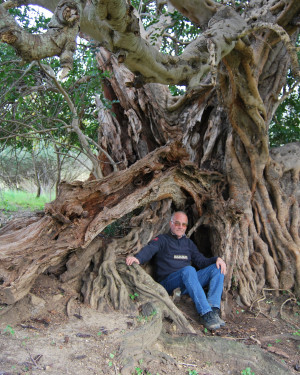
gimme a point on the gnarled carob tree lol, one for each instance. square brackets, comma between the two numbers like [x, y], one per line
[205, 152]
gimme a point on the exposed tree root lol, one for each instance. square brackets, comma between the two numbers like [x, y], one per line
[141, 344]
[155, 306]
[138, 280]
[235, 354]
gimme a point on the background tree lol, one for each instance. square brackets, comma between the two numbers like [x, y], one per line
[40, 169]
[205, 151]
[36, 108]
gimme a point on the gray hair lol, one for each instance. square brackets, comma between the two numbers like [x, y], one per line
[177, 212]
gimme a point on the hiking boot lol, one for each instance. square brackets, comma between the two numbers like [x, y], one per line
[217, 312]
[210, 320]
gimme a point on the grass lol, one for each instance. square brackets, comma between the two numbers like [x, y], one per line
[12, 200]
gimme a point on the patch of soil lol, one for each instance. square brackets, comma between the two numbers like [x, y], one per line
[50, 331]
[6, 216]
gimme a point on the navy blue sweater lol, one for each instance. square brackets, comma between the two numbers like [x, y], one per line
[171, 254]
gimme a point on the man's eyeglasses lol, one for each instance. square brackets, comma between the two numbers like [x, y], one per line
[178, 224]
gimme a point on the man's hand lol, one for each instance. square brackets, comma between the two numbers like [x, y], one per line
[130, 260]
[221, 264]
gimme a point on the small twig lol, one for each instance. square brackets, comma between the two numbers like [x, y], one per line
[281, 312]
[293, 298]
[33, 360]
[260, 312]
[279, 290]
[264, 296]
[187, 364]
[287, 300]
[234, 338]
[116, 371]
[28, 326]
[258, 300]
[255, 340]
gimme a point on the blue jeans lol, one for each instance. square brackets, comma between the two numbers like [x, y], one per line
[192, 282]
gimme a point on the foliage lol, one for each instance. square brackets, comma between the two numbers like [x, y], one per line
[30, 18]
[144, 319]
[9, 330]
[175, 36]
[133, 296]
[247, 371]
[122, 226]
[140, 371]
[176, 90]
[285, 125]
[34, 111]
[33, 103]
[18, 167]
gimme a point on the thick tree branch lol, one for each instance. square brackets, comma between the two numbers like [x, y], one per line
[192, 65]
[199, 11]
[53, 43]
[116, 26]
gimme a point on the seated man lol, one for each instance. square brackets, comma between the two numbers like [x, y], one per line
[174, 253]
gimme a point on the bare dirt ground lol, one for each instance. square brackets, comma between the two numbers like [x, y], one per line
[52, 332]
[49, 331]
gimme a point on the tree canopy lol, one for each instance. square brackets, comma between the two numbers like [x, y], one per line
[33, 108]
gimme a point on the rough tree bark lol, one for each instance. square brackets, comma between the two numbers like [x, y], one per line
[206, 153]
[256, 207]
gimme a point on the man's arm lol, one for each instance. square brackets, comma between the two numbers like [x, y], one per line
[147, 252]
[201, 261]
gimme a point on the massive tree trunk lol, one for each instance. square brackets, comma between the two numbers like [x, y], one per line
[259, 219]
[206, 153]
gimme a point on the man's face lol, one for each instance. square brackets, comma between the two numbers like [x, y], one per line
[179, 224]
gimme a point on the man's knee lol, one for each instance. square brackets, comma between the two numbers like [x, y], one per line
[189, 271]
[214, 269]
[217, 272]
